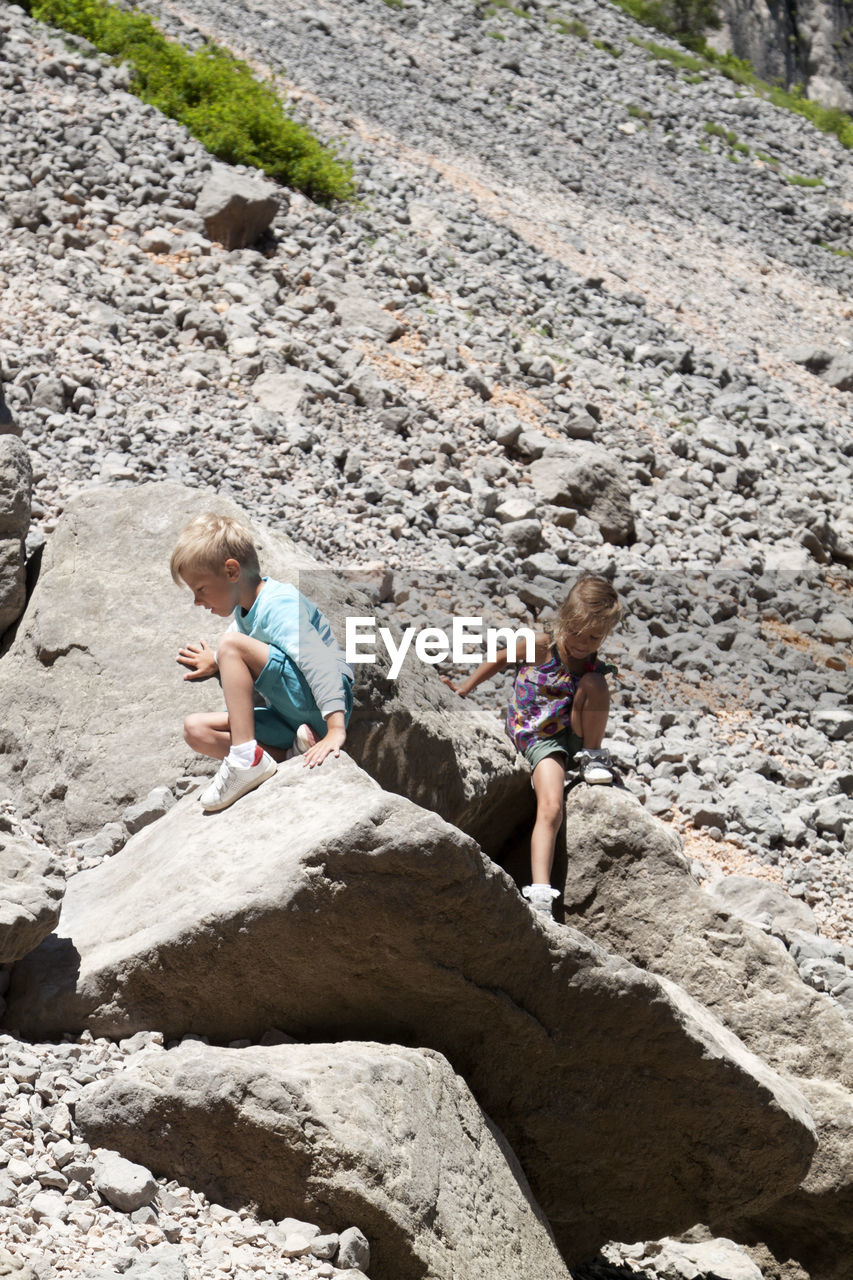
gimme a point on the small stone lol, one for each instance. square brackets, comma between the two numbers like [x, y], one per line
[127, 1186]
[155, 805]
[354, 1250]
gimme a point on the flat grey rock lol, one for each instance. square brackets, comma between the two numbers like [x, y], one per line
[432, 944]
[388, 1135]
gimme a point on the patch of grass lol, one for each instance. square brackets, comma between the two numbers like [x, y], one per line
[394, 4]
[683, 20]
[839, 253]
[496, 6]
[496, 35]
[762, 155]
[606, 47]
[717, 131]
[678, 58]
[698, 79]
[570, 27]
[215, 95]
[639, 113]
[797, 180]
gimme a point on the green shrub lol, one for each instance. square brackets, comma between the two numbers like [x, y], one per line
[797, 180]
[236, 117]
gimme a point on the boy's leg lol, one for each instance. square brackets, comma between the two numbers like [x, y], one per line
[208, 732]
[549, 777]
[241, 660]
[590, 709]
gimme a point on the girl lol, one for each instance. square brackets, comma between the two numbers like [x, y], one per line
[557, 715]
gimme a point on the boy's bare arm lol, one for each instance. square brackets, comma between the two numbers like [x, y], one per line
[200, 659]
[336, 736]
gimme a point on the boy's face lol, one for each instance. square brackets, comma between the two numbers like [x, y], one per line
[216, 590]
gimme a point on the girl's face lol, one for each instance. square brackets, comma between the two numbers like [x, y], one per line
[581, 643]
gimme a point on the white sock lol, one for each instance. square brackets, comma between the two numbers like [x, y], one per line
[242, 754]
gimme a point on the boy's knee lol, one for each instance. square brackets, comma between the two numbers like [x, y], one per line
[229, 644]
[192, 726]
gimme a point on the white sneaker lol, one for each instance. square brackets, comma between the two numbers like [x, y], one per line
[230, 783]
[305, 738]
[541, 898]
[595, 766]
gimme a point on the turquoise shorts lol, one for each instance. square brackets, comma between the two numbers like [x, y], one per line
[565, 743]
[291, 702]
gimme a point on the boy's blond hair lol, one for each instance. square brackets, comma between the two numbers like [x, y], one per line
[591, 603]
[208, 541]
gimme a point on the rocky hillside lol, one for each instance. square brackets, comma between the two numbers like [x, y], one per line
[809, 44]
[591, 310]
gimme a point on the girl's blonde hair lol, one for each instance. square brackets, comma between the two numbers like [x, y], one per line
[208, 541]
[591, 604]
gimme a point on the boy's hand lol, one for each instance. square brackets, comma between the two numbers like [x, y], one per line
[200, 659]
[335, 738]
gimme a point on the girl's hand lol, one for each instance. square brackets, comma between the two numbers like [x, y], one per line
[457, 688]
[200, 659]
[331, 744]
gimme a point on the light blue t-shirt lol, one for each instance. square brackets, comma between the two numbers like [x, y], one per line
[282, 617]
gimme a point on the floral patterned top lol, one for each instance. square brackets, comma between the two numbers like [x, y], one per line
[540, 705]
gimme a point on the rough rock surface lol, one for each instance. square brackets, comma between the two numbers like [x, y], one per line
[387, 1136]
[31, 887]
[628, 886]
[236, 210]
[16, 486]
[96, 700]
[374, 918]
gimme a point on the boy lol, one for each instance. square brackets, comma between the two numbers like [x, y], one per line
[279, 646]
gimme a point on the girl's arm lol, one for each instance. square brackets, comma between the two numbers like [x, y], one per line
[488, 669]
[484, 672]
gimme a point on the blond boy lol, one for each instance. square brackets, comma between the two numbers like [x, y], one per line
[287, 684]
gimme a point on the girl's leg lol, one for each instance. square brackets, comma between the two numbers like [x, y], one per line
[549, 777]
[208, 733]
[590, 709]
[241, 660]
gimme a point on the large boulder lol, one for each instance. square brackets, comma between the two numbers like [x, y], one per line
[16, 489]
[590, 480]
[31, 887]
[628, 886]
[94, 699]
[321, 905]
[385, 1136]
[236, 209]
